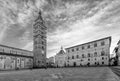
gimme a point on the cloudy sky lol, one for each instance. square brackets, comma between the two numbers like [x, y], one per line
[69, 22]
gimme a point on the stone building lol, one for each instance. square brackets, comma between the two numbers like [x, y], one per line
[15, 58]
[89, 54]
[60, 58]
[51, 61]
[39, 38]
[117, 53]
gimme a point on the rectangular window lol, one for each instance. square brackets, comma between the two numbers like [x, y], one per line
[102, 53]
[72, 50]
[42, 43]
[83, 47]
[88, 46]
[102, 43]
[77, 49]
[68, 51]
[72, 57]
[95, 54]
[83, 56]
[88, 54]
[95, 44]
[77, 56]
[102, 58]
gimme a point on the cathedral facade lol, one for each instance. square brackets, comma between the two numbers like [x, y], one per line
[39, 42]
[60, 58]
[14, 58]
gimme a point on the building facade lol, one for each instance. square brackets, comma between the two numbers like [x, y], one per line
[15, 58]
[89, 54]
[117, 53]
[51, 61]
[39, 38]
[60, 58]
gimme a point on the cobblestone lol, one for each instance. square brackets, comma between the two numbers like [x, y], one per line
[61, 74]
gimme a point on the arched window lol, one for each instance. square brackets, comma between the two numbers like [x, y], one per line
[102, 62]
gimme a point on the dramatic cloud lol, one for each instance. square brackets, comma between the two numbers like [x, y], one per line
[69, 22]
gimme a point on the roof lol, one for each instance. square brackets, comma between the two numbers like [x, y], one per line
[14, 48]
[61, 52]
[91, 42]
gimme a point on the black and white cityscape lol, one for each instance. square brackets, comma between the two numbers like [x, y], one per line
[59, 40]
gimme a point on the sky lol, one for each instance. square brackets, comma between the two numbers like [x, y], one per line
[68, 22]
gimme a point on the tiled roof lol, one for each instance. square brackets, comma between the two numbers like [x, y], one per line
[91, 42]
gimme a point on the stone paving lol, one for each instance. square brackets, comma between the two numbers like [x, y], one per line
[61, 74]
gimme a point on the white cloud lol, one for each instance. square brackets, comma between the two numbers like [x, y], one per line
[29, 46]
[85, 30]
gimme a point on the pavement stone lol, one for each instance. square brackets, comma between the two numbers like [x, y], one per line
[61, 74]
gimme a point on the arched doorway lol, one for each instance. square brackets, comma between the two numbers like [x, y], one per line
[64, 64]
[74, 64]
[88, 64]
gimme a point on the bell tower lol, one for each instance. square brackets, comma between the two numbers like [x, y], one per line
[39, 42]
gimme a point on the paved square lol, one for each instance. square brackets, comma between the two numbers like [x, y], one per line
[61, 74]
